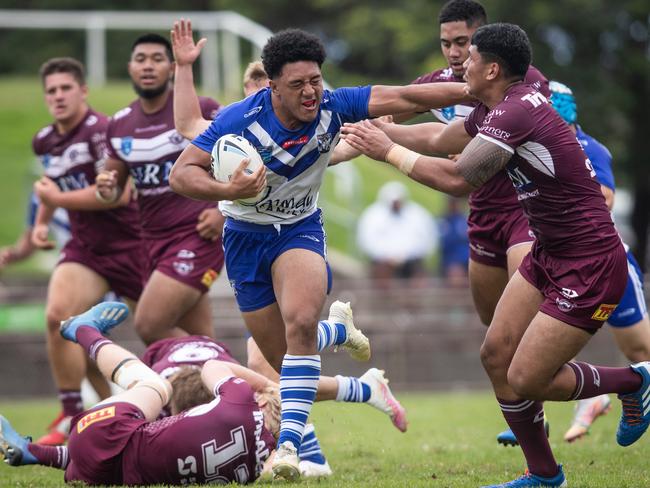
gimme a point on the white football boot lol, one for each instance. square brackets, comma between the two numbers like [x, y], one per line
[357, 344]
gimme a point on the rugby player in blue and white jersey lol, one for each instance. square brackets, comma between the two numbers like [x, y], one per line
[629, 322]
[275, 248]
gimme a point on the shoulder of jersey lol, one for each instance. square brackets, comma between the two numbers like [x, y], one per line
[44, 132]
[245, 111]
[122, 113]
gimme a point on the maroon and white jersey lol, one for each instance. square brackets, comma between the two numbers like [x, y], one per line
[167, 356]
[219, 442]
[149, 145]
[553, 177]
[73, 160]
[497, 195]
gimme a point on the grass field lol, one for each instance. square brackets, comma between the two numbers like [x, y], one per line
[23, 113]
[450, 443]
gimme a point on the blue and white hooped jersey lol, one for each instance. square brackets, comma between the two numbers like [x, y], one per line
[295, 159]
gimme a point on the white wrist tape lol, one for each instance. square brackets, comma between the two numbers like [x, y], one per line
[402, 158]
[100, 197]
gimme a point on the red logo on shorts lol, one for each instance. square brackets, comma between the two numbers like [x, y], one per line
[208, 278]
[96, 416]
[604, 311]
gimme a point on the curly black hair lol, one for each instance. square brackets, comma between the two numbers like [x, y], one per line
[471, 12]
[505, 44]
[290, 46]
[154, 39]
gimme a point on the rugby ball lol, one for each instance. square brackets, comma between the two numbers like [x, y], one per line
[227, 155]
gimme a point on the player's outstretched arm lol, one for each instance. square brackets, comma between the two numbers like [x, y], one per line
[428, 138]
[187, 112]
[388, 100]
[479, 161]
[190, 176]
[84, 199]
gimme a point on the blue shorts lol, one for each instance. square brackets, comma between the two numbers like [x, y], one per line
[251, 249]
[632, 307]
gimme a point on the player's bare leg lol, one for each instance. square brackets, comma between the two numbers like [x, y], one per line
[144, 388]
[72, 289]
[267, 328]
[258, 363]
[634, 340]
[487, 284]
[169, 308]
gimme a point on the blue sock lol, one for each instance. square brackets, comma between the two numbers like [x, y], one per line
[310, 448]
[352, 389]
[330, 334]
[298, 385]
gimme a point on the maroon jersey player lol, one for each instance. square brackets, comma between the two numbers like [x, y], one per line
[104, 252]
[118, 442]
[498, 232]
[572, 280]
[182, 236]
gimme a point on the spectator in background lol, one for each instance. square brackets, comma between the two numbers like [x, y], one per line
[454, 244]
[397, 235]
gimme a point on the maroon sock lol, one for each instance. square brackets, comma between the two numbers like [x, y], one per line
[526, 419]
[71, 402]
[91, 340]
[54, 456]
[592, 380]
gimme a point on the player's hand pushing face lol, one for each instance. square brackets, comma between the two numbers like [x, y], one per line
[243, 185]
[365, 137]
[185, 50]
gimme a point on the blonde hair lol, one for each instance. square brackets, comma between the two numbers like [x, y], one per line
[255, 73]
[269, 401]
[189, 390]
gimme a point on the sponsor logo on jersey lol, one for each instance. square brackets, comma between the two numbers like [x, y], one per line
[324, 142]
[94, 417]
[253, 111]
[604, 311]
[126, 145]
[91, 120]
[209, 277]
[295, 142]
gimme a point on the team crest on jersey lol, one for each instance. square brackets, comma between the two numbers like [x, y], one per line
[324, 142]
[126, 146]
[604, 311]
[176, 138]
[266, 153]
[449, 113]
[94, 417]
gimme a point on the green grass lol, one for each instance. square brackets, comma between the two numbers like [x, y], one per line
[450, 443]
[23, 113]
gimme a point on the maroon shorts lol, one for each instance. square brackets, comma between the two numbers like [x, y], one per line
[492, 234]
[186, 257]
[582, 292]
[122, 269]
[97, 440]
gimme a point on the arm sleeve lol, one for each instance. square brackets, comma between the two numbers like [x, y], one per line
[234, 390]
[350, 103]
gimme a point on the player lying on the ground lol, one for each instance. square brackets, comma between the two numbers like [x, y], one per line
[179, 360]
[105, 439]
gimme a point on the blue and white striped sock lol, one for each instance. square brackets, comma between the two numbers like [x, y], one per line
[330, 334]
[310, 448]
[298, 385]
[352, 389]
